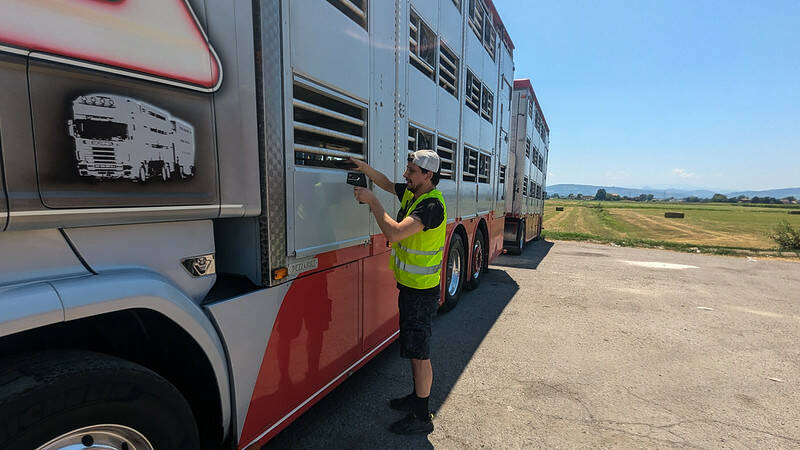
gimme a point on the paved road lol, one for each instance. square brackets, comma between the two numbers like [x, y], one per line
[576, 345]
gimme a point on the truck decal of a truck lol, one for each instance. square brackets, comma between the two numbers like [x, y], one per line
[122, 138]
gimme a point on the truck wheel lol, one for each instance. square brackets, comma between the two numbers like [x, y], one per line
[142, 174]
[164, 172]
[477, 261]
[456, 271]
[519, 242]
[76, 399]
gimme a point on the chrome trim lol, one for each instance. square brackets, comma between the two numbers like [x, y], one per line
[14, 50]
[200, 266]
[56, 212]
[322, 389]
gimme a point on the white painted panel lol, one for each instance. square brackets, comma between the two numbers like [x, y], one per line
[487, 136]
[489, 72]
[508, 64]
[450, 193]
[474, 53]
[323, 197]
[503, 149]
[421, 96]
[485, 191]
[447, 120]
[343, 61]
[382, 121]
[471, 127]
[467, 205]
[428, 10]
[450, 25]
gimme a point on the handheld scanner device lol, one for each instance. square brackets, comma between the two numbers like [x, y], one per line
[357, 179]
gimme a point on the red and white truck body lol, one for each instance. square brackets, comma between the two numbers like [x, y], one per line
[238, 267]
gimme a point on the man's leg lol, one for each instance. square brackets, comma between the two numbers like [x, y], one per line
[415, 334]
[422, 372]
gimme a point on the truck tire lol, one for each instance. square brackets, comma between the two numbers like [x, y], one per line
[165, 175]
[477, 260]
[64, 398]
[455, 272]
[142, 174]
[519, 242]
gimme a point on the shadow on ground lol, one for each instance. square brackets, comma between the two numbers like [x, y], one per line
[357, 415]
[533, 254]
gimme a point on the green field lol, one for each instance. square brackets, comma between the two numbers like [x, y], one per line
[714, 227]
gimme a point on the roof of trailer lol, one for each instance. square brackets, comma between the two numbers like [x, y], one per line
[499, 23]
[525, 83]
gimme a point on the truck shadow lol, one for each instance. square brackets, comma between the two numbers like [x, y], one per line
[533, 254]
[357, 414]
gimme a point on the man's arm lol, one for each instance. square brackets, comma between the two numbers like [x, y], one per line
[378, 178]
[393, 230]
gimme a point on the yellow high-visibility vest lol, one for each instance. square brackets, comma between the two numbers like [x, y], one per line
[417, 259]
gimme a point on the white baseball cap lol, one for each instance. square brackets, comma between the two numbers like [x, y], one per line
[425, 159]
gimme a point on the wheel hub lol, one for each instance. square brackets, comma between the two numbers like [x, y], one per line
[105, 436]
[454, 272]
[477, 260]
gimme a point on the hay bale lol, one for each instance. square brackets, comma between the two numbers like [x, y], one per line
[559, 208]
[673, 215]
[795, 211]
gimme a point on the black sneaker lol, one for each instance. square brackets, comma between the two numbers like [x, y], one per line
[410, 424]
[402, 403]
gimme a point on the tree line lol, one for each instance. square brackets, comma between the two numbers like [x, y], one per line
[716, 198]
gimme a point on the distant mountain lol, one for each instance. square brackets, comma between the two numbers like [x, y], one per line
[777, 193]
[564, 190]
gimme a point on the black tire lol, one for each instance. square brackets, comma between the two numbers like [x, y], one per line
[519, 241]
[477, 261]
[453, 288]
[45, 395]
[142, 174]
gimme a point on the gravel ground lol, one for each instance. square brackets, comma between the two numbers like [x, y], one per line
[577, 345]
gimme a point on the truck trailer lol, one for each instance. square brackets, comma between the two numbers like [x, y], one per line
[184, 264]
[528, 156]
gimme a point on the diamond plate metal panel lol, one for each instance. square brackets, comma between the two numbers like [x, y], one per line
[269, 61]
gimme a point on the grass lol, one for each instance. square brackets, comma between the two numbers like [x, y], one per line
[719, 228]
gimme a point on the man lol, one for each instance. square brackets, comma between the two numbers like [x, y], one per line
[417, 237]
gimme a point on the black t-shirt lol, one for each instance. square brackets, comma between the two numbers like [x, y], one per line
[429, 212]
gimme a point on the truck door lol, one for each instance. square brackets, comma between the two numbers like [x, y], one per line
[3, 199]
[16, 143]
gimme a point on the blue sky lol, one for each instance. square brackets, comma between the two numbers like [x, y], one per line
[664, 93]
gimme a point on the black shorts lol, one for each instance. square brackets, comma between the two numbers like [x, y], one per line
[417, 308]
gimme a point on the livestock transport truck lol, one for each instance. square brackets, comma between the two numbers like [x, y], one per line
[527, 168]
[210, 310]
